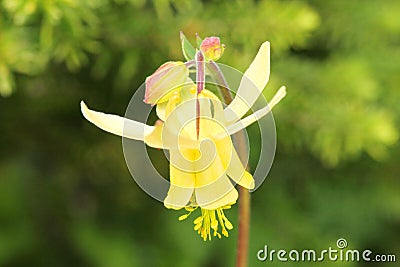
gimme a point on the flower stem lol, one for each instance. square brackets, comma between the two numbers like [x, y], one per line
[244, 227]
[244, 209]
[200, 80]
[244, 194]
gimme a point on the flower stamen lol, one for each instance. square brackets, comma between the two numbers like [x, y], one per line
[210, 220]
[184, 216]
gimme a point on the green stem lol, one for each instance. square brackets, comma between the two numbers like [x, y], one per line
[244, 194]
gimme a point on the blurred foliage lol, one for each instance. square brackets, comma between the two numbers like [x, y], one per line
[66, 196]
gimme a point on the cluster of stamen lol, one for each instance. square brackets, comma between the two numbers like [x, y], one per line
[210, 220]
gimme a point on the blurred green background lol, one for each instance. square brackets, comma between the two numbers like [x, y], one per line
[66, 196]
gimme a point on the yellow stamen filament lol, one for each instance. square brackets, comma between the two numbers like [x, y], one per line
[210, 219]
[184, 216]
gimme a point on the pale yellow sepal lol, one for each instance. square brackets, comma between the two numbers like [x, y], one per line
[251, 86]
[236, 127]
[117, 125]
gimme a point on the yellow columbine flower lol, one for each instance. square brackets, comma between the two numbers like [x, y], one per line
[201, 158]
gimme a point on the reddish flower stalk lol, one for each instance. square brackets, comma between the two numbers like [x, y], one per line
[200, 80]
[244, 199]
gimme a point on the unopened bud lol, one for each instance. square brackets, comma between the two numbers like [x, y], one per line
[168, 78]
[212, 48]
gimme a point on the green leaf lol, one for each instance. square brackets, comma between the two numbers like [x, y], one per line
[199, 40]
[187, 48]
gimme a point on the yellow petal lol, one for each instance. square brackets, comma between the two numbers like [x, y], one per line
[237, 172]
[179, 123]
[215, 168]
[184, 159]
[216, 195]
[117, 125]
[213, 187]
[232, 163]
[182, 184]
[178, 197]
[252, 84]
[180, 116]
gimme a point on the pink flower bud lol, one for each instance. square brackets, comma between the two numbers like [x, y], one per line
[212, 48]
[168, 78]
